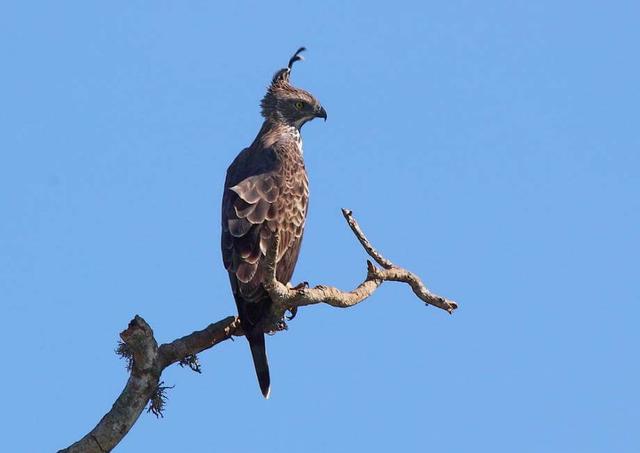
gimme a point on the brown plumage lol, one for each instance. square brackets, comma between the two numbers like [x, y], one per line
[266, 191]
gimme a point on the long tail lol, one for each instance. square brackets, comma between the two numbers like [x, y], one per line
[259, 353]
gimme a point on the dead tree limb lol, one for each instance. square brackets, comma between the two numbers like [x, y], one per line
[147, 360]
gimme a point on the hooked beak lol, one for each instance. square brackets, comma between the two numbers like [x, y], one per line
[321, 112]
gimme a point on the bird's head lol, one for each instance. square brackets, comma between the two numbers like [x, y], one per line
[286, 103]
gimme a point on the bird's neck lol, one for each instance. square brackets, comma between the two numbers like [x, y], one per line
[277, 121]
[273, 131]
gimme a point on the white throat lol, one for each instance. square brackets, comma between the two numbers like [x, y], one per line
[295, 134]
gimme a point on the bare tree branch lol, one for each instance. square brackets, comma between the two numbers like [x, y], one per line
[286, 298]
[147, 360]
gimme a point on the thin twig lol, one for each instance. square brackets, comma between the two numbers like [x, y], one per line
[373, 253]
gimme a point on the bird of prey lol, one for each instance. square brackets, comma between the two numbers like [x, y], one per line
[266, 192]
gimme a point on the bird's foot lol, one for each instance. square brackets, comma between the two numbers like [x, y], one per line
[299, 287]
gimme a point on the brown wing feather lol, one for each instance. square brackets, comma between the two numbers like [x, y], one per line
[250, 203]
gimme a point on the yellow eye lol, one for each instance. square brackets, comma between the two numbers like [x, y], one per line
[299, 105]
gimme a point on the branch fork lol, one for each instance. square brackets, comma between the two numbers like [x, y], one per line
[286, 298]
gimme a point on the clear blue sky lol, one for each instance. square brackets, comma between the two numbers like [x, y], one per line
[491, 147]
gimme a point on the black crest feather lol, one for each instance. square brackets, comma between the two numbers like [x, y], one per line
[296, 57]
[283, 74]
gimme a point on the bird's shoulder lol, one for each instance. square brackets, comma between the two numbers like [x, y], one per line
[252, 161]
[274, 151]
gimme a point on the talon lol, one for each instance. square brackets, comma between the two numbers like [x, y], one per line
[293, 311]
[299, 286]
